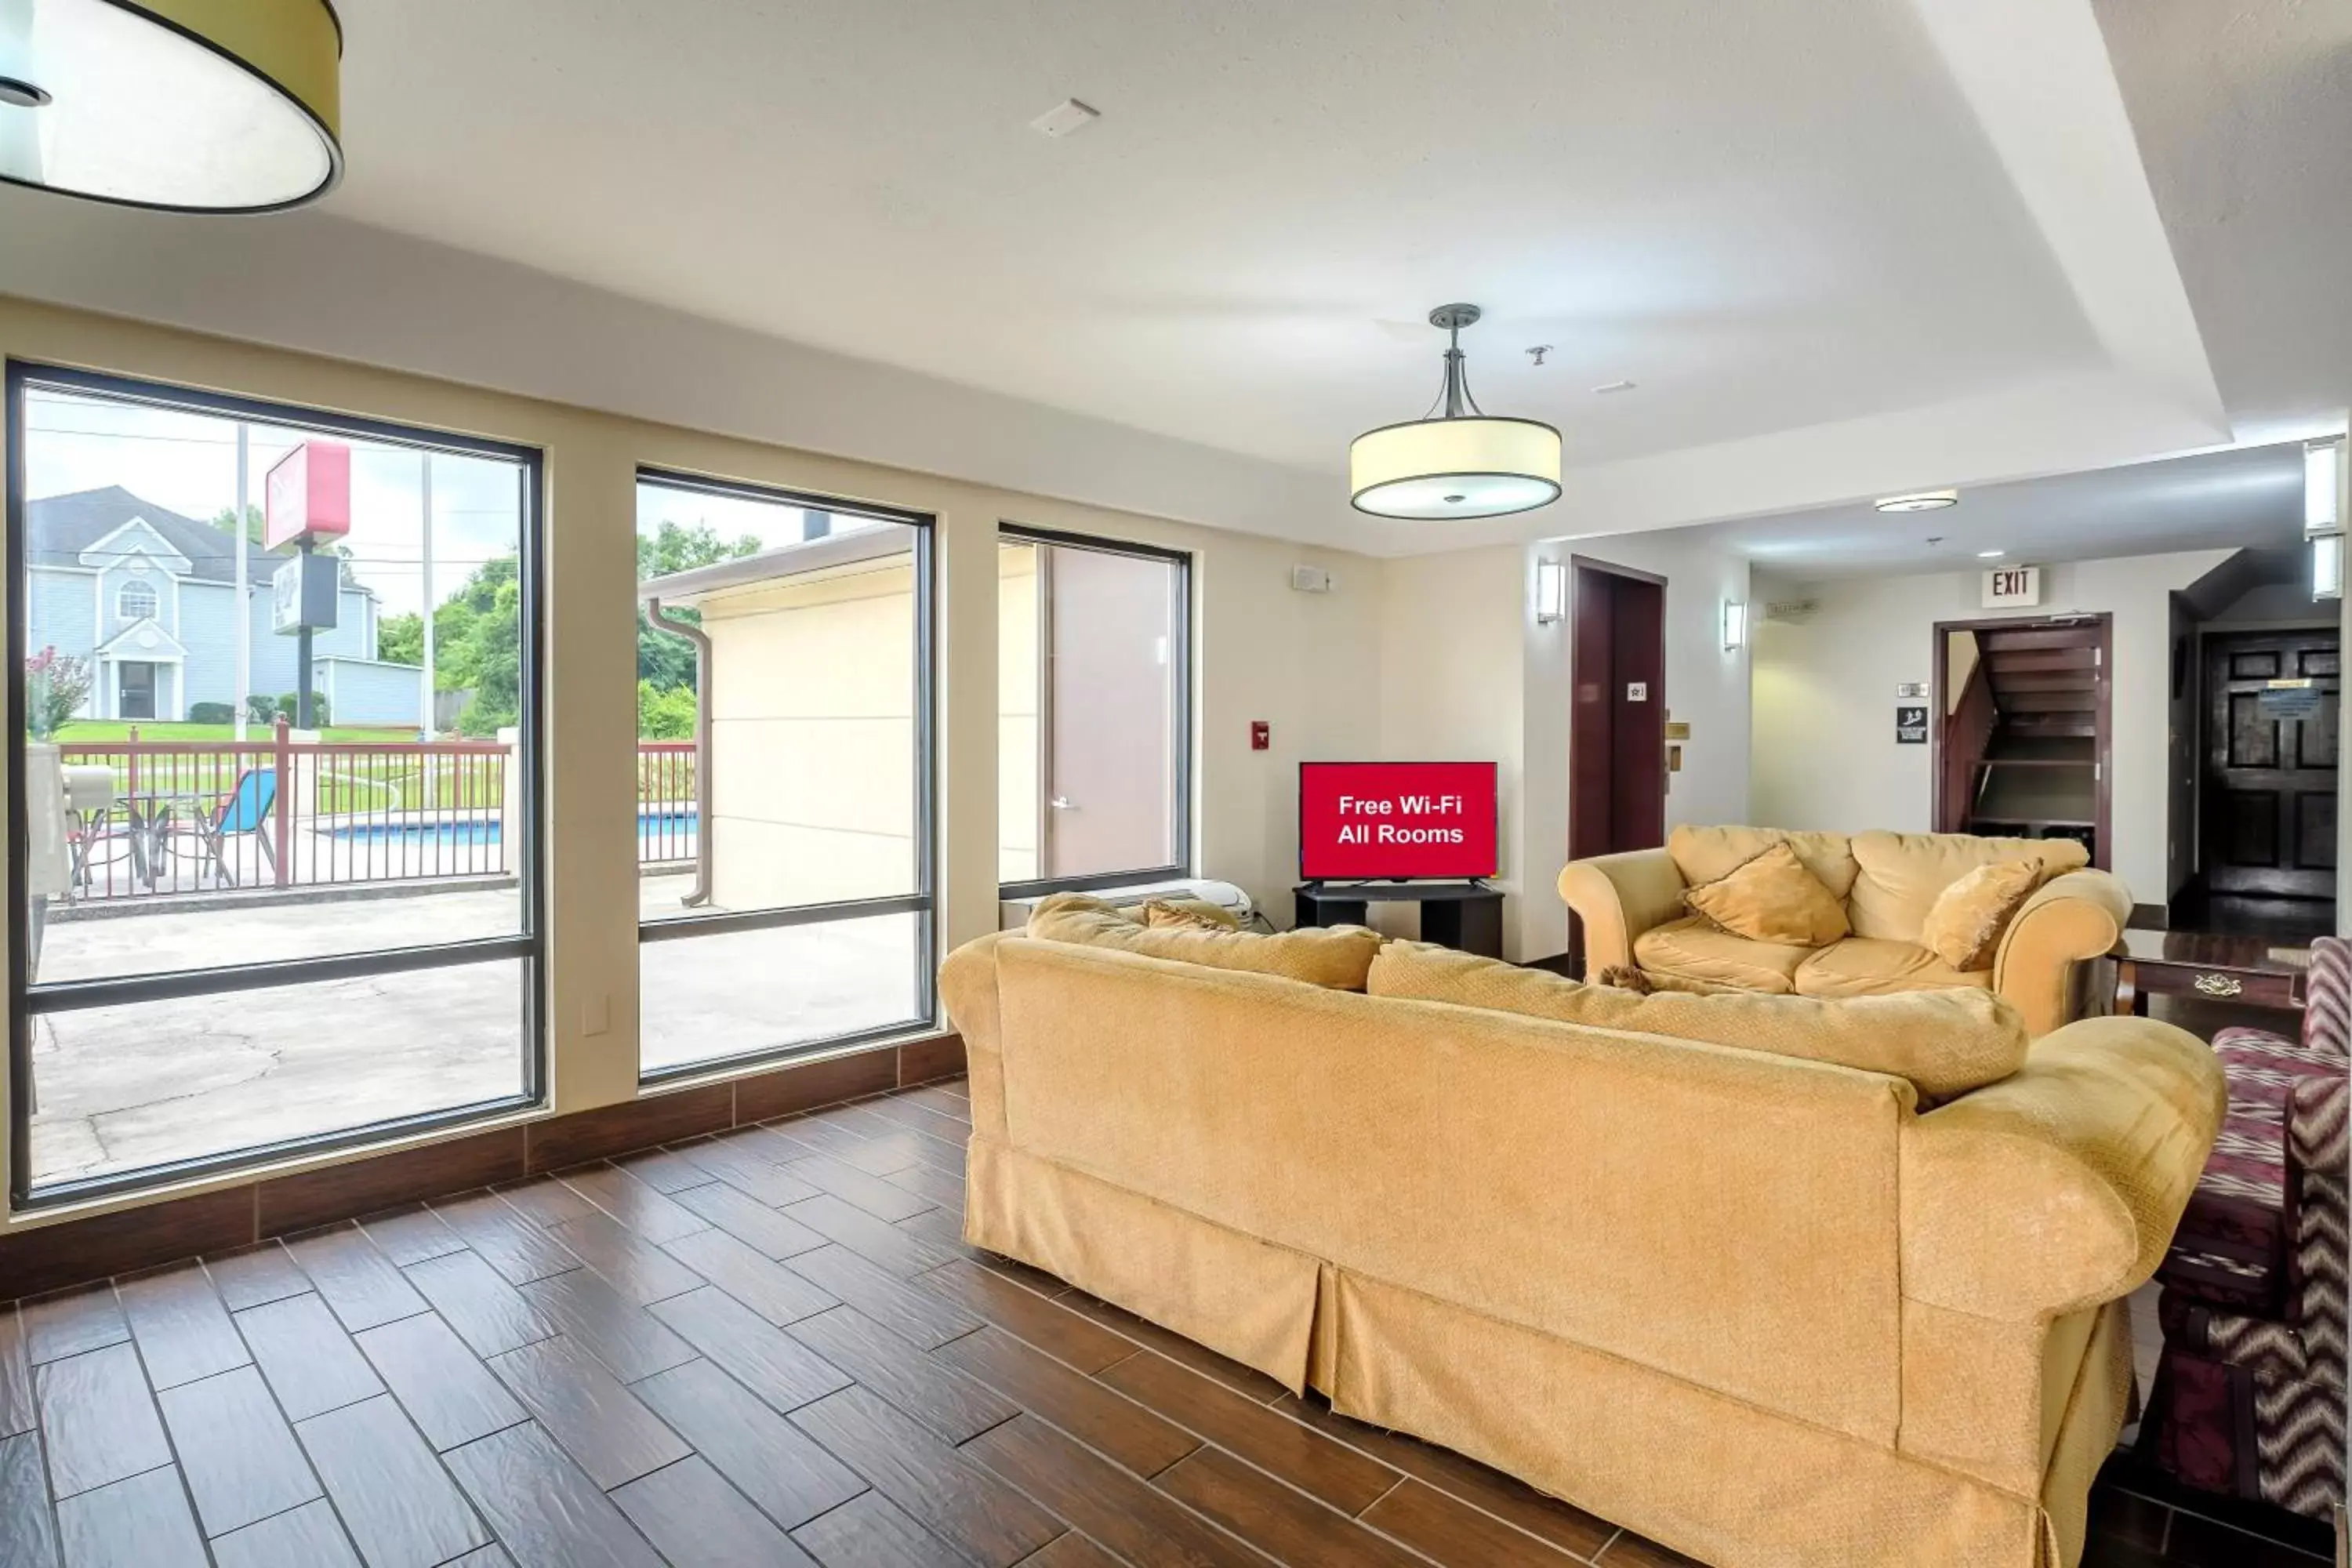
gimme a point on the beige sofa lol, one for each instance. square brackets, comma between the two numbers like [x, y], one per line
[1761, 1308]
[1632, 913]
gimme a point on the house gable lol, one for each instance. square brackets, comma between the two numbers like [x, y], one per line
[136, 537]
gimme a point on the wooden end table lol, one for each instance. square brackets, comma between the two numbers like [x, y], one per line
[2245, 970]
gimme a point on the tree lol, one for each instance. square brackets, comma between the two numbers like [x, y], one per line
[665, 658]
[400, 639]
[56, 686]
[664, 715]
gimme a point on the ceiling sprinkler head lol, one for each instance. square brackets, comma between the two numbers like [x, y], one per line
[1537, 354]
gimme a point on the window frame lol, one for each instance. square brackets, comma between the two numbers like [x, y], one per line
[1181, 660]
[154, 610]
[528, 946]
[924, 901]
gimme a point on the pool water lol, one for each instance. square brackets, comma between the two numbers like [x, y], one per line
[672, 831]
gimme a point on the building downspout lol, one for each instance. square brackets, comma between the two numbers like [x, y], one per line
[700, 893]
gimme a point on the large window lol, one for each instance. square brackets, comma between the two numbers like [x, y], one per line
[784, 824]
[1094, 698]
[274, 777]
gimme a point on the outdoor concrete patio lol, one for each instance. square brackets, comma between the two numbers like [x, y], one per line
[128, 1088]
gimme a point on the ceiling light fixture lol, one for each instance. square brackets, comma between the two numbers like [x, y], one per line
[184, 105]
[1461, 462]
[1990, 554]
[2323, 485]
[1923, 501]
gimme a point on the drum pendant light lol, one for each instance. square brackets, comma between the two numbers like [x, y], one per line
[1462, 462]
[184, 105]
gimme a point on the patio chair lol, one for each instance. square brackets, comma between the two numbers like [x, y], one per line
[93, 820]
[247, 809]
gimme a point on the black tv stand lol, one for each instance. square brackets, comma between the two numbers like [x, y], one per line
[1463, 915]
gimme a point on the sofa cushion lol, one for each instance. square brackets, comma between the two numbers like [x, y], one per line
[1869, 966]
[1691, 952]
[1774, 898]
[1945, 1043]
[1901, 875]
[1195, 914]
[1964, 925]
[1334, 957]
[1707, 854]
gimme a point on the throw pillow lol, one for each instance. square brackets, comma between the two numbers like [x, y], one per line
[1195, 914]
[1771, 897]
[1945, 1042]
[1965, 924]
[1334, 957]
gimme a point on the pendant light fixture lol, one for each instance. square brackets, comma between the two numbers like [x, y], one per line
[1459, 462]
[184, 105]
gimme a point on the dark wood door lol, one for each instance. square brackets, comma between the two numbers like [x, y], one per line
[2269, 818]
[1617, 728]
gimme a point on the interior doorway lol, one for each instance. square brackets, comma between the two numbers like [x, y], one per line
[1617, 726]
[2266, 816]
[2023, 748]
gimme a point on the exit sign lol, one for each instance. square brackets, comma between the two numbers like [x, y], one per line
[2005, 586]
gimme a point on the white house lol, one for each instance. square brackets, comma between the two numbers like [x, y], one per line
[148, 597]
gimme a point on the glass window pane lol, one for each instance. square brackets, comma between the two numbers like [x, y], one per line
[733, 994]
[275, 711]
[809, 618]
[168, 761]
[126, 1088]
[1091, 712]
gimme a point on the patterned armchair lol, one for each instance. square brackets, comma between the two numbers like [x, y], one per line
[2250, 1393]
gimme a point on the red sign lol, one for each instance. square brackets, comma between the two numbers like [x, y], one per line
[309, 492]
[1395, 821]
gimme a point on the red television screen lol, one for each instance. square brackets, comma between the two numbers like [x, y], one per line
[1393, 822]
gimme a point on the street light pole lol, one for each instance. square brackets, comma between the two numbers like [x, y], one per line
[244, 605]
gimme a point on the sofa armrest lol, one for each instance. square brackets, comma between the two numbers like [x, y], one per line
[2070, 919]
[1619, 897]
[2318, 1118]
[2058, 1187]
[968, 988]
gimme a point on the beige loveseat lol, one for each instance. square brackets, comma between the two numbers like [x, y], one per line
[1762, 1308]
[1632, 913]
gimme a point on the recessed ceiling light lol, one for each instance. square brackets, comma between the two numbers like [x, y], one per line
[1066, 118]
[1606, 387]
[1990, 554]
[1923, 501]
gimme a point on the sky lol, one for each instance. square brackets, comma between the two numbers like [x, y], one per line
[186, 462]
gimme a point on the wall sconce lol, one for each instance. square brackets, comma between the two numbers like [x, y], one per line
[1551, 592]
[2322, 486]
[2327, 566]
[1734, 625]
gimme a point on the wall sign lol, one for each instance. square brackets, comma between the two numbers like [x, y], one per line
[1911, 689]
[1911, 725]
[2006, 587]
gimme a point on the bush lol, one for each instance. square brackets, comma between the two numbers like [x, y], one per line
[210, 713]
[664, 715]
[56, 686]
[261, 708]
[289, 708]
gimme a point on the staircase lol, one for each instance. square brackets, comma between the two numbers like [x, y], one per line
[2022, 744]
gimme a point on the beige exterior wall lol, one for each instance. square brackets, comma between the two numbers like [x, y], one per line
[813, 737]
[1018, 688]
[1307, 664]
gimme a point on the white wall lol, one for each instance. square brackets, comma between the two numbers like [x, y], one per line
[1466, 672]
[1707, 686]
[1824, 753]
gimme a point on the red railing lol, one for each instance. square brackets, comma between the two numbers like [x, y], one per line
[667, 817]
[321, 813]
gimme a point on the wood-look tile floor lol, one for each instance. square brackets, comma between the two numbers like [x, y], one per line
[767, 1347]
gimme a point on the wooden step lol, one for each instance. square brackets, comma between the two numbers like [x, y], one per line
[2075, 702]
[2033, 661]
[2085, 636]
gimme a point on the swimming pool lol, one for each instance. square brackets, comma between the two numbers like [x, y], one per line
[669, 831]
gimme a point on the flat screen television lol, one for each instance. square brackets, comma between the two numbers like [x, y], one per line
[1395, 822]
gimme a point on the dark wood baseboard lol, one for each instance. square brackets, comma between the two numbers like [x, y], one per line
[71, 1252]
[2150, 917]
[1558, 964]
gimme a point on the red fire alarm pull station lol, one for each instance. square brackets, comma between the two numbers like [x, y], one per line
[1261, 735]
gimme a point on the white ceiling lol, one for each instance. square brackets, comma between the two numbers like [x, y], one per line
[1843, 247]
[2248, 497]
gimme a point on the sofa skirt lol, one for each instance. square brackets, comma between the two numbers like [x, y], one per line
[1713, 1477]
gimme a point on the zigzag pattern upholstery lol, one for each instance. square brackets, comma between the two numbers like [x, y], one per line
[2250, 1393]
